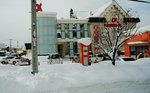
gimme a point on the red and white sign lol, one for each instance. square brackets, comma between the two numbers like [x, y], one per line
[38, 7]
[114, 20]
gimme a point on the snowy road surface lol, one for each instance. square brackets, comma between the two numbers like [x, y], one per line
[125, 77]
[115, 87]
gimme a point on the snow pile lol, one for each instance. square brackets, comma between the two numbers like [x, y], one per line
[43, 58]
[125, 77]
[85, 41]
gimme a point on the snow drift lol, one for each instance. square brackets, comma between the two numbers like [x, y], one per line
[75, 78]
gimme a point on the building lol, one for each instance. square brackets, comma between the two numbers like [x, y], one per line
[78, 26]
[46, 33]
[138, 43]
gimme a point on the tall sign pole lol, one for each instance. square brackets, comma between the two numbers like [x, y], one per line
[34, 37]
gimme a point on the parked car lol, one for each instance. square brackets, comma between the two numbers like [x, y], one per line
[125, 59]
[16, 60]
[6, 59]
[2, 53]
[22, 61]
[54, 59]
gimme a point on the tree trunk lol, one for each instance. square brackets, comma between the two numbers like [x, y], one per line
[114, 57]
[113, 62]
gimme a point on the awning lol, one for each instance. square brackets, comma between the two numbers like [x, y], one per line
[139, 43]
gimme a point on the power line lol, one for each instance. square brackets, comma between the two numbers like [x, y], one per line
[140, 1]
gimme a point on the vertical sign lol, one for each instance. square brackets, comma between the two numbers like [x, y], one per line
[96, 37]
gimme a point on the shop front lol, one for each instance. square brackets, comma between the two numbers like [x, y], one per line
[138, 46]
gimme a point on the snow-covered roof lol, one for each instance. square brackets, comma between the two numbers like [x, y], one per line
[138, 31]
[138, 43]
[85, 41]
[97, 12]
[73, 19]
[92, 13]
[46, 14]
[143, 29]
[82, 14]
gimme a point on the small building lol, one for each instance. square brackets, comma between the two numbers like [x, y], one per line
[139, 43]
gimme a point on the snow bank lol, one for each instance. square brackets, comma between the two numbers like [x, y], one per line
[74, 78]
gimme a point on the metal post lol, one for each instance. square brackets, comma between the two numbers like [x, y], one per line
[10, 45]
[34, 37]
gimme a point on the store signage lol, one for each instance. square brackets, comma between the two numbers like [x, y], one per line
[96, 34]
[112, 25]
[96, 37]
[38, 7]
[149, 37]
[113, 20]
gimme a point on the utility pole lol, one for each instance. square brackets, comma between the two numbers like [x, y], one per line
[10, 44]
[34, 37]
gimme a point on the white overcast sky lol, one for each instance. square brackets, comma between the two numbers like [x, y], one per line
[15, 22]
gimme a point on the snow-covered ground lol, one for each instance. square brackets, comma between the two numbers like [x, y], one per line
[103, 77]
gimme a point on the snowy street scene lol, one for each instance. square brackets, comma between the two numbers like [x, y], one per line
[75, 46]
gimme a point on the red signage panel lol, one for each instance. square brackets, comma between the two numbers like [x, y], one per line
[112, 25]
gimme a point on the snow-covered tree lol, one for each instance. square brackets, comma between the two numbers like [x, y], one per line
[115, 32]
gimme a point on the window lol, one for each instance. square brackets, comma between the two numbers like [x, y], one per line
[55, 56]
[128, 59]
[58, 35]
